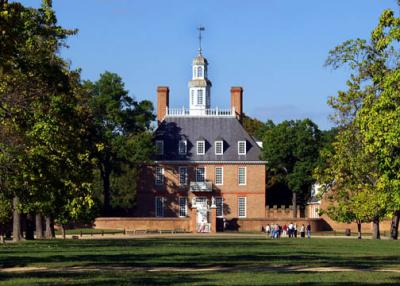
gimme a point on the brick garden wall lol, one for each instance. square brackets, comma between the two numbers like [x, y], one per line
[256, 224]
[134, 223]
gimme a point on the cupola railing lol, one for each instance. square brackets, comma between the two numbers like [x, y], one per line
[216, 112]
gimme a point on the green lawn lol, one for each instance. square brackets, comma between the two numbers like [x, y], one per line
[246, 261]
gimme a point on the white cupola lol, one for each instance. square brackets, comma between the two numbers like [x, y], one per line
[199, 86]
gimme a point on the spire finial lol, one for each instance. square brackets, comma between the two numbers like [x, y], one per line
[200, 28]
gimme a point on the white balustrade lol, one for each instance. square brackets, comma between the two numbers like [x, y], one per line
[212, 112]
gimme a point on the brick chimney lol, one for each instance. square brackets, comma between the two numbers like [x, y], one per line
[237, 101]
[162, 102]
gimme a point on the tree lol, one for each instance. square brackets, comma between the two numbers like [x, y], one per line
[253, 126]
[291, 150]
[44, 114]
[348, 178]
[120, 126]
[371, 104]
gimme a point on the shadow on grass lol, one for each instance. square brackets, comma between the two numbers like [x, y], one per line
[155, 252]
[146, 278]
[102, 278]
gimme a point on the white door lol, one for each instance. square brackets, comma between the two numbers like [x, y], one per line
[202, 210]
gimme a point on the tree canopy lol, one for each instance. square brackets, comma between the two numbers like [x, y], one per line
[370, 108]
[291, 150]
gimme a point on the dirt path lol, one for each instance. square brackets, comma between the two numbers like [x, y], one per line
[194, 269]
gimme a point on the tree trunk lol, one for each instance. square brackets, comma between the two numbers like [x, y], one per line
[2, 234]
[49, 233]
[394, 228]
[359, 229]
[375, 229]
[105, 176]
[63, 231]
[16, 221]
[29, 228]
[39, 226]
[294, 204]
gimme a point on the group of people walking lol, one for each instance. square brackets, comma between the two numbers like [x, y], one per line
[277, 231]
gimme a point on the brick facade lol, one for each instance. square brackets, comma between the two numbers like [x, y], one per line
[230, 190]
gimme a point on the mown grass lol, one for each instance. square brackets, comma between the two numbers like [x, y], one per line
[247, 255]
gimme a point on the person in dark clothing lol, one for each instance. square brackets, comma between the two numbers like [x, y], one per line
[308, 230]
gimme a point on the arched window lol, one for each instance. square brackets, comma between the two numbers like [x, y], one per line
[200, 98]
[199, 72]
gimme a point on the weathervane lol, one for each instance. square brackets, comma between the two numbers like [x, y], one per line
[200, 28]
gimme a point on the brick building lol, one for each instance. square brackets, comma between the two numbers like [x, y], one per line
[207, 172]
[207, 167]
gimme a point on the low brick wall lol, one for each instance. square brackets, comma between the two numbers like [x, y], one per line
[384, 225]
[256, 224]
[321, 224]
[280, 212]
[142, 223]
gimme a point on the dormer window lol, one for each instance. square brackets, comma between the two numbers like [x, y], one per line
[159, 147]
[201, 146]
[219, 147]
[242, 147]
[182, 147]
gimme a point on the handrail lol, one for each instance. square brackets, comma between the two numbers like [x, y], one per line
[212, 112]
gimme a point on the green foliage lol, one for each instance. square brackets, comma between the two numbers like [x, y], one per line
[5, 209]
[43, 116]
[120, 136]
[366, 169]
[291, 150]
[253, 126]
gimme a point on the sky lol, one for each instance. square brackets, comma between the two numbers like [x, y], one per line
[274, 49]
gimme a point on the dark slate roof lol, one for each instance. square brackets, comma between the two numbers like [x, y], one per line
[173, 129]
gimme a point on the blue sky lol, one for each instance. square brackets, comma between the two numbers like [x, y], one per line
[275, 49]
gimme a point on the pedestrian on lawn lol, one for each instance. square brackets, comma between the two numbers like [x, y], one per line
[303, 231]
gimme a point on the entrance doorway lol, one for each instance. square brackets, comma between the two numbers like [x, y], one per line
[202, 220]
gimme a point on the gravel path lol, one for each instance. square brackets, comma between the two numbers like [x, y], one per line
[194, 269]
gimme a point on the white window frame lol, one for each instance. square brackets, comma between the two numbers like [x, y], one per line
[203, 151]
[183, 206]
[222, 176]
[240, 211]
[197, 174]
[184, 143]
[192, 96]
[216, 143]
[219, 203]
[159, 147]
[200, 95]
[200, 71]
[244, 147]
[245, 176]
[160, 200]
[185, 174]
[159, 176]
